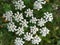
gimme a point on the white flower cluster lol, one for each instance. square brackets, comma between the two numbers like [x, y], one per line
[38, 25]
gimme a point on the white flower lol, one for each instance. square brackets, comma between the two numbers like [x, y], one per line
[44, 31]
[19, 41]
[20, 31]
[28, 36]
[8, 15]
[19, 4]
[33, 29]
[18, 17]
[38, 4]
[33, 20]
[36, 40]
[11, 26]
[29, 13]
[48, 16]
[24, 23]
[41, 22]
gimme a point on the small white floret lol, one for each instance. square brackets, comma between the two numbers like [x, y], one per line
[19, 41]
[8, 15]
[11, 26]
[20, 31]
[19, 4]
[44, 31]
[36, 40]
[33, 29]
[33, 20]
[24, 23]
[28, 36]
[48, 16]
[41, 22]
[29, 13]
[18, 16]
[38, 4]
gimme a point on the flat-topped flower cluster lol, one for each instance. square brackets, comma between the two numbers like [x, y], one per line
[38, 24]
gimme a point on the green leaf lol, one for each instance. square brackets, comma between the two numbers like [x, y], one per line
[6, 7]
[58, 43]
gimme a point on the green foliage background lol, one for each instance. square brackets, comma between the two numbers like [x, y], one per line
[7, 38]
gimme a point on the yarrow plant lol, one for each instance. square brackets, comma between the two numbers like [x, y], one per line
[28, 29]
